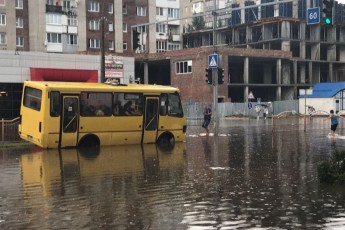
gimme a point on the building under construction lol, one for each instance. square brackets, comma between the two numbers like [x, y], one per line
[297, 54]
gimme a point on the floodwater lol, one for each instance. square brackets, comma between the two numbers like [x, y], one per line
[249, 176]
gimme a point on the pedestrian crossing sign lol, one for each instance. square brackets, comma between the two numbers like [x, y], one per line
[251, 95]
[213, 61]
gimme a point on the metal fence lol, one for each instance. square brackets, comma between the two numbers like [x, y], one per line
[9, 130]
[194, 110]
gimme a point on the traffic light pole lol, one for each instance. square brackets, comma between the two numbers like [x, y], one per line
[215, 76]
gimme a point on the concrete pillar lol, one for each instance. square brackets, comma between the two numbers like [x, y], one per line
[294, 72]
[285, 73]
[278, 79]
[330, 74]
[315, 52]
[278, 71]
[146, 73]
[285, 30]
[243, 14]
[246, 71]
[246, 78]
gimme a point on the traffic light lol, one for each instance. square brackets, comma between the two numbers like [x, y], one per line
[135, 39]
[220, 76]
[328, 11]
[208, 76]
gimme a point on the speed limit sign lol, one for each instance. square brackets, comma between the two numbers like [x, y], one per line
[313, 15]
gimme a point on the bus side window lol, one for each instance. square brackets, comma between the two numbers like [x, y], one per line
[32, 98]
[54, 104]
[175, 107]
[163, 108]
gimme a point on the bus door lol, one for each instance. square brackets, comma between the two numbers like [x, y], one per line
[69, 121]
[150, 120]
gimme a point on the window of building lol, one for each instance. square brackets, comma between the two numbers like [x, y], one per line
[111, 45]
[72, 39]
[19, 22]
[124, 45]
[124, 9]
[124, 27]
[111, 27]
[173, 13]
[66, 5]
[94, 43]
[161, 46]
[93, 6]
[53, 19]
[141, 29]
[141, 11]
[19, 4]
[173, 47]
[184, 67]
[50, 2]
[110, 8]
[2, 19]
[19, 41]
[72, 20]
[160, 28]
[2, 38]
[53, 38]
[93, 25]
[159, 11]
[2, 2]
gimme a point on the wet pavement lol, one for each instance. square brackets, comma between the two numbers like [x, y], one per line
[253, 175]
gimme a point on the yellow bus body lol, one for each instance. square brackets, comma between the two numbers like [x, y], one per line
[41, 127]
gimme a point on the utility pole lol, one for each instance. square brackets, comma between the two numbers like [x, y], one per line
[215, 71]
[102, 51]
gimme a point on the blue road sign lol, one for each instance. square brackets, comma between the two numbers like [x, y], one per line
[313, 15]
[213, 61]
[250, 105]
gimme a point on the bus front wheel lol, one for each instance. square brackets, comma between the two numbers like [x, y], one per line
[89, 141]
[166, 141]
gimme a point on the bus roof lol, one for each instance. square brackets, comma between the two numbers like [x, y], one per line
[82, 86]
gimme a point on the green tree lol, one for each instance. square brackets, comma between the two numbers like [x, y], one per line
[198, 23]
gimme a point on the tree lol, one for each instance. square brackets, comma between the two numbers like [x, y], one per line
[198, 23]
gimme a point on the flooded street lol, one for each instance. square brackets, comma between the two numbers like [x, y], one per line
[245, 177]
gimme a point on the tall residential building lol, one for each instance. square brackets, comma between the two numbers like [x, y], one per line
[74, 26]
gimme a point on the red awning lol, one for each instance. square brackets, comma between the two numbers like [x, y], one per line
[71, 75]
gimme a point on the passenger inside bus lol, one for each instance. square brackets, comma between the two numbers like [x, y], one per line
[127, 108]
[117, 108]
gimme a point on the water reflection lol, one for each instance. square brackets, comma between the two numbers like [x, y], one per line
[246, 178]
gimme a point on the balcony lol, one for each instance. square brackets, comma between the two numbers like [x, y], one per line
[53, 9]
[174, 38]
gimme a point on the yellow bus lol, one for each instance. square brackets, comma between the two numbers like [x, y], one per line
[73, 114]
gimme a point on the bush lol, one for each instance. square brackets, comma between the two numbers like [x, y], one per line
[333, 170]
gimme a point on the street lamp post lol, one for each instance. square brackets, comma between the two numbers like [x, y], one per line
[102, 50]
